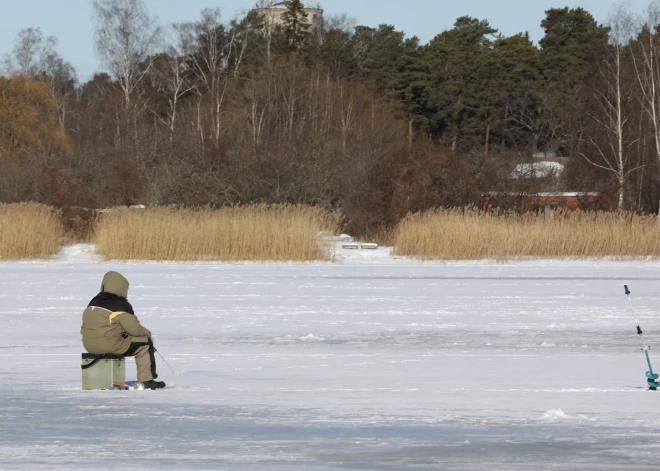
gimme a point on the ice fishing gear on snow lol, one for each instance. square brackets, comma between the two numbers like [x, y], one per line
[639, 330]
[651, 377]
[128, 385]
[138, 385]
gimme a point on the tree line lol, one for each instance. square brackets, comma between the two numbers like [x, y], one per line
[367, 121]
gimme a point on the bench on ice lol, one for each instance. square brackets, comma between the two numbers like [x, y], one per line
[359, 246]
[100, 371]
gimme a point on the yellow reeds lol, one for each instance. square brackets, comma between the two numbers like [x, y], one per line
[468, 234]
[29, 231]
[382, 235]
[246, 233]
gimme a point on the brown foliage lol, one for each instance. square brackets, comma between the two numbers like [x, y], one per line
[79, 222]
[122, 183]
[28, 118]
[291, 132]
[58, 189]
[402, 182]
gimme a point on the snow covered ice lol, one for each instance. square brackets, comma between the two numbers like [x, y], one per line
[371, 363]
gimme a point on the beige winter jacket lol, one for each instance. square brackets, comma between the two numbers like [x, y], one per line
[109, 324]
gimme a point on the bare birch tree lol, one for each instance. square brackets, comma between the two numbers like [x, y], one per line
[268, 26]
[126, 35]
[35, 55]
[173, 74]
[215, 49]
[612, 97]
[29, 48]
[646, 60]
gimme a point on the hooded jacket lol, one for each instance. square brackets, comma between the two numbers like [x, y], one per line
[108, 322]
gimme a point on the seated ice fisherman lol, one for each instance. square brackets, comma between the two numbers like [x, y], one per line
[109, 325]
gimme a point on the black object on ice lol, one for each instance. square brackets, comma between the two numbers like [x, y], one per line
[151, 384]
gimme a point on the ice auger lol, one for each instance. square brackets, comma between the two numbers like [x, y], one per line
[651, 377]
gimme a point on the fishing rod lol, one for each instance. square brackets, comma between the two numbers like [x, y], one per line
[651, 377]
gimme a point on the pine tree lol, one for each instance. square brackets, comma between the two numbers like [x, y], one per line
[515, 69]
[379, 52]
[395, 66]
[457, 57]
[573, 45]
[295, 24]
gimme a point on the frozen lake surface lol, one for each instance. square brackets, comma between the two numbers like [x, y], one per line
[371, 363]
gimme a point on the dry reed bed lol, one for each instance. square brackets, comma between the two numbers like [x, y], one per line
[474, 235]
[29, 231]
[247, 233]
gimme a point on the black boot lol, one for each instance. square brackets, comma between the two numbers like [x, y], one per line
[151, 384]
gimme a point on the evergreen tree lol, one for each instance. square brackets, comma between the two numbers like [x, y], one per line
[456, 61]
[573, 45]
[379, 51]
[295, 25]
[515, 69]
[411, 86]
[337, 52]
[395, 66]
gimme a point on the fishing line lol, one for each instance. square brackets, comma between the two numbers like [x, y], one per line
[162, 358]
[639, 329]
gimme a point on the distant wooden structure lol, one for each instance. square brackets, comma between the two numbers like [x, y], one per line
[541, 202]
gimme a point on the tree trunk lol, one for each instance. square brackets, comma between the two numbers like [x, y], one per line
[454, 139]
[200, 128]
[411, 134]
[173, 117]
[506, 117]
[622, 182]
[487, 140]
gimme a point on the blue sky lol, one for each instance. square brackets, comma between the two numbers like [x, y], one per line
[70, 21]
